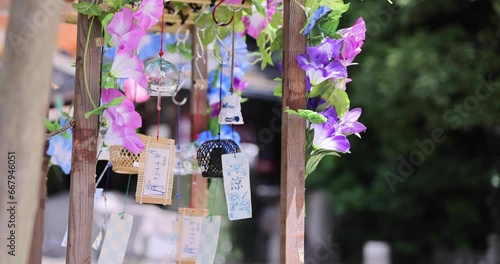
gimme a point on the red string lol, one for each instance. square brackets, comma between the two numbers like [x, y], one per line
[162, 27]
[158, 125]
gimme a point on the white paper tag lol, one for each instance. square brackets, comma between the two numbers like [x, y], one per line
[97, 241]
[230, 112]
[116, 239]
[236, 174]
[157, 170]
[191, 236]
[97, 196]
[209, 239]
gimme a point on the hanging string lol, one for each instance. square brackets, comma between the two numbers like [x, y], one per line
[232, 57]
[220, 92]
[158, 103]
[122, 214]
[212, 208]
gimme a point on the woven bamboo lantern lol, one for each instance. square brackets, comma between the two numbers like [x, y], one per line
[123, 161]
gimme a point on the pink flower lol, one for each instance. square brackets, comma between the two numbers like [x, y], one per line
[135, 92]
[124, 33]
[256, 22]
[352, 38]
[149, 13]
[127, 65]
[122, 122]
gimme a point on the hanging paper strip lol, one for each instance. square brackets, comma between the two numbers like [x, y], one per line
[97, 196]
[209, 239]
[116, 239]
[156, 172]
[236, 174]
[189, 226]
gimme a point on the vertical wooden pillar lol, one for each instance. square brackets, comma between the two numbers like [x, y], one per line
[38, 230]
[24, 96]
[83, 163]
[198, 114]
[293, 138]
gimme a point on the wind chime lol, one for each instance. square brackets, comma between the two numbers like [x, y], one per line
[210, 152]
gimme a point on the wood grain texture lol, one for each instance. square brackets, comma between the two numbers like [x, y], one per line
[199, 186]
[293, 138]
[36, 252]
[83, 165]
[24, 98]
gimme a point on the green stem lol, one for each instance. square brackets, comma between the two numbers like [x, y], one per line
[85, 63]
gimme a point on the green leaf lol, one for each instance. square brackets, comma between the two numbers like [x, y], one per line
[276, 20]
[266, 57]
[114, 4]
[278, 41]
[186, 51]
[316, 89]
[313, 117]
[278, 90]
[105, 22]
[172, 48]
[88, 9]
[336, 97]
[51, 127]
[312, 162]
[64, 114]
[100, 109]
[108, 81]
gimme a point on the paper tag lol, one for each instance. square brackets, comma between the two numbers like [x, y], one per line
[156, 172]
[189, 233]
[97, 241]
[236, 174]
[209, 239]
[230, 112]
[97, 196]
[116, 239]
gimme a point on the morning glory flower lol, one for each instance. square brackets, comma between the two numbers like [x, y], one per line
[226, 132]
[318, 73]
[352, 39]
[122, 121]
[325, 138]
[256, 22]
[319, 13]
[349, 123]
[135, 92]
[127, 65]
[149, 13]
[328, 50]
[125, 34]
[60, 149]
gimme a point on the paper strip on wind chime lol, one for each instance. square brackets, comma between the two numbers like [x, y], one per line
[116, 239]
[156, 172]
[189, 226]
[236, 172]
[97, 196]
[209, 239]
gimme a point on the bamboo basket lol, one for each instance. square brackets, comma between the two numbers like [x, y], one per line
[123, 160]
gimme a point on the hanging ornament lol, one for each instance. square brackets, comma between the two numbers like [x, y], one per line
[210, 153]
[163, 77]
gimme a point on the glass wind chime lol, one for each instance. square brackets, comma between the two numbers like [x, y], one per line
[210, 153]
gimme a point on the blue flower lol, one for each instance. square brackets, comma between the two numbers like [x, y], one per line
[240, 55]
[60, 149]
[214, 92]
[226, 132]
[320, 12]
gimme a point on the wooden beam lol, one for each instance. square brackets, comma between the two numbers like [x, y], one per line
[85, 132]
[30, 41]
[247, 4]
[38, 228]
[198, 114]
[293, 137]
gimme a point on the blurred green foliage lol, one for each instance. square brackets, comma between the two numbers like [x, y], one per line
[422, 66]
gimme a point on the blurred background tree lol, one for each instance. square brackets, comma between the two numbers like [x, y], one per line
[421, 60]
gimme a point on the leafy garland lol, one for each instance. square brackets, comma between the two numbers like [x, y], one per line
[330, 51]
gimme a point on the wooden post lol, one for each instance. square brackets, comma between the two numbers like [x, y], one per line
[24, 97]
[38, 230]
[293, 138]
[198, 114]
[83, 165]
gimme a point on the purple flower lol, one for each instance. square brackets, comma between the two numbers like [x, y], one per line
[326, 139]
[318, 73]
[149, 13]
[349, 124]
[319, 13]
[325, 52]
[122, 121]
[352, 39]
[124, 33]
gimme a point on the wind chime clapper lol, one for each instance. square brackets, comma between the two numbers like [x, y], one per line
[210, 152]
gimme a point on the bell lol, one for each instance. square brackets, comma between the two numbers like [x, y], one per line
[230, 112]
[163, 77]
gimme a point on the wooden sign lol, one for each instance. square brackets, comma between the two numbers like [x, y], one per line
[189, 226]
[156, 172]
